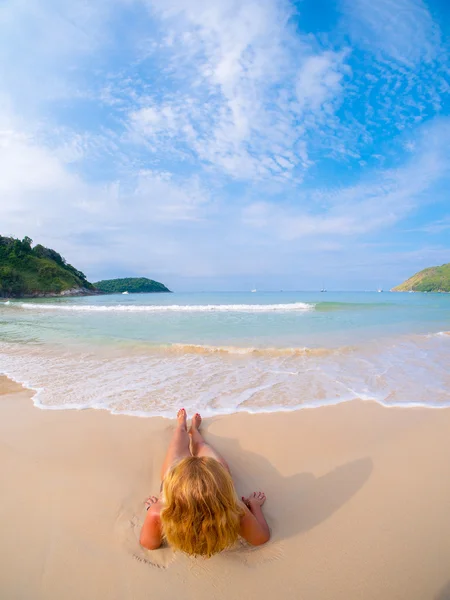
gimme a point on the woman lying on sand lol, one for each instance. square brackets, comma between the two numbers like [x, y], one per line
[198, 511]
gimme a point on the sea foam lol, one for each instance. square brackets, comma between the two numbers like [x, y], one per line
[411, 371]
[193, 308]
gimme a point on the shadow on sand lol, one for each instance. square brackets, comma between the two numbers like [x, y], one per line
[297, 503]
[444, 593]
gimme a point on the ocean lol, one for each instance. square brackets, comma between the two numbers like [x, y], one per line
[217, 353]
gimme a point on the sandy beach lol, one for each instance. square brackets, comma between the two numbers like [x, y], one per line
[358, 504]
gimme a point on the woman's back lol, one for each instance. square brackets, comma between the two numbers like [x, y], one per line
[201, 514]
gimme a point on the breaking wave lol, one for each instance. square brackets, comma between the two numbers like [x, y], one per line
[251, 350]
[193, 308]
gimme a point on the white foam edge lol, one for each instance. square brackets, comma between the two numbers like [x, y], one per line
[224, 412]
[294, 306]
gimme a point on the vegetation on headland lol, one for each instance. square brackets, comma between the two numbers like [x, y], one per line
[132, 285]
[433, 279]
[35, 272]
[27, 271]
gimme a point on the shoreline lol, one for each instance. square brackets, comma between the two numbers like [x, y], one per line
[357, 503]
[34, 396]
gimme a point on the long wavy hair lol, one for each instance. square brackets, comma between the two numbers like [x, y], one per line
[201, 514]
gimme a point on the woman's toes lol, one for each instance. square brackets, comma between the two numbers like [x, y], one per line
[196, 420]
[181, 416]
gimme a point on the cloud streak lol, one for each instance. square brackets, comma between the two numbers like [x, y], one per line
[387, 198]
[402, 30]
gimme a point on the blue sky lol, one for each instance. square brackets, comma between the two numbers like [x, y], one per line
[227, 144]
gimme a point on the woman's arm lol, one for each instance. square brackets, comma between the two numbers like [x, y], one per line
[254, 526]
[151, 533]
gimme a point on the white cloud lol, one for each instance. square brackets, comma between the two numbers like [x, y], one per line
[44, 43]
[26, 167]
[41, 197]
[252, 79]
[403, 30]
[403, 66]
[153, 121]
[435, 227]
[319, 81]
[363, 208]
[161, 198]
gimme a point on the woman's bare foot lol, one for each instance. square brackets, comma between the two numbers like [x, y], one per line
[181, 418]
[196, 421]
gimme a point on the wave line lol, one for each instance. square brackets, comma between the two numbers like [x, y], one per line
[199, 308]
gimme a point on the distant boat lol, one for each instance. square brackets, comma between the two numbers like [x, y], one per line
[124, 292]
[323, 290]
[379, 290]
[253, 291]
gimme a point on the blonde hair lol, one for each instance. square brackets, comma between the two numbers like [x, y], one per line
[201, 514]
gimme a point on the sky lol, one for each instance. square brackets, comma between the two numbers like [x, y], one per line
[229, 144]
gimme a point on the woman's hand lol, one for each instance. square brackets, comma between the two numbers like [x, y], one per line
[255, 499]
[254, 526]
[150, 501]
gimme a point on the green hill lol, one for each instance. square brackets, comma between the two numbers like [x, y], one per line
[132, 285]
[33, 272]
[433, 279]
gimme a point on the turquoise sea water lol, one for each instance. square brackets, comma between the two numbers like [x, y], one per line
[226, 352]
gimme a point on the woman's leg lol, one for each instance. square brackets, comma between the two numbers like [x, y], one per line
[179, 444]
[200, 447]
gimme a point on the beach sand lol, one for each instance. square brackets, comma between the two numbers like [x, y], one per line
[358, 504]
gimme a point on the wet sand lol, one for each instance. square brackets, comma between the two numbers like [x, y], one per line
[358, 504]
